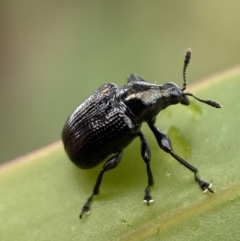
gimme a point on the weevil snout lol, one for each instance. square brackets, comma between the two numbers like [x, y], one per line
[184, 100]
[174, 95]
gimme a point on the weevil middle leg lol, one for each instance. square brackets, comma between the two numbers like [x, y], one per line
[146, 155]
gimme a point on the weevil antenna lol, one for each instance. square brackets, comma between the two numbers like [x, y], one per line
[208, 102]
[186, 62]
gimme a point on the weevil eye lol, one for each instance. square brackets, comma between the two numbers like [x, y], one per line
[175, 96]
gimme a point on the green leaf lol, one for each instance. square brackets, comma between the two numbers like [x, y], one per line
[42, 193]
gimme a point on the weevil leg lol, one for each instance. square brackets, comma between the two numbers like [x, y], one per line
[165, 144]
[110, 164]
[146, 155]
[134, 78]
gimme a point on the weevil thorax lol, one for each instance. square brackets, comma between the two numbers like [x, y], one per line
[172, 95]
[141, 100]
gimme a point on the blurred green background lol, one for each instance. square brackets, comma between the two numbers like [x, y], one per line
[53, 54]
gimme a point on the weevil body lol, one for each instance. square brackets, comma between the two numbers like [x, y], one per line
[111, 118]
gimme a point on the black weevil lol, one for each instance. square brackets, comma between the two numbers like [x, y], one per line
[111, 117]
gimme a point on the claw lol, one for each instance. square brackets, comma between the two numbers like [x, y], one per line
[85, 209]
[205, 186]
[148, 199]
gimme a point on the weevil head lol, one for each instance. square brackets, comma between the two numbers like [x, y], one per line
[172, 95]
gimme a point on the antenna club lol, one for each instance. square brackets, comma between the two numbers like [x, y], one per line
[189, 51]
[186, 62]
[188, 56]
[208, 102]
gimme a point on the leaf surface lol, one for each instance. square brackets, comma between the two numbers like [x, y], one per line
[42, 193]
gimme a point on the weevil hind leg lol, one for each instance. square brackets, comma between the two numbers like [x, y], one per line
[110, 164]
[165, 144]
[146, 155]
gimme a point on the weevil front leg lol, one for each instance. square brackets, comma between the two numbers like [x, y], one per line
[146, 155]
[110, 164]
[165, 144]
